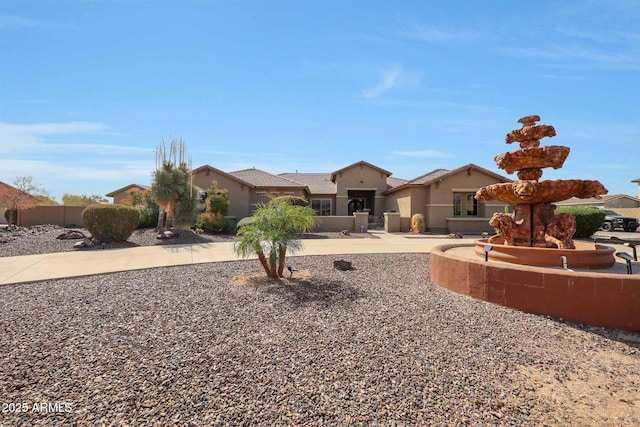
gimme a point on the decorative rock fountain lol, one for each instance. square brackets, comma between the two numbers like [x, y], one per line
[533, 224]
[532, 262]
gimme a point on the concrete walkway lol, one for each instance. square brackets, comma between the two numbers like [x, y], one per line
[87, 262]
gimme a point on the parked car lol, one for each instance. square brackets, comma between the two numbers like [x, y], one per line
[613, 220]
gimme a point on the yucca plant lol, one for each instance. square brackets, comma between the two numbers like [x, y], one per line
[175, 195]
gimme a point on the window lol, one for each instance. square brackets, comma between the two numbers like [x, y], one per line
[457, 209]
[470, 207]
[263, 198]
[321, 206]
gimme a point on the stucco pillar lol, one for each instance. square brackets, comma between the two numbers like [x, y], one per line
[392, 222]
[361, 221]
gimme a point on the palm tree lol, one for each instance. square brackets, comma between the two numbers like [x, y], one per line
[273, 229]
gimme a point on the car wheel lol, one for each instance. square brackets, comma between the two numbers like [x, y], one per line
[607, 226]
[630, 229]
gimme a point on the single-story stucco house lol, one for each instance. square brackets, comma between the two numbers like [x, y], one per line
[444, 197]
[122, 194]
[610, 201]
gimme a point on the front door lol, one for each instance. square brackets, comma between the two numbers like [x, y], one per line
[359, 200]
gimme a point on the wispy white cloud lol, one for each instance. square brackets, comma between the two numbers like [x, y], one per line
[577, 55]
[36, 101]
[388, 80]
[15, 138]
[46, 170]
[40, 129]
[392, 78]
[430, 154]
[8, 22]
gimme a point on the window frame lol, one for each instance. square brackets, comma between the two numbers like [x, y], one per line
[462, 202]
[319, 212]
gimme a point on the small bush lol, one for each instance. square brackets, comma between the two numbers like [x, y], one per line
[417, 223]
[292, 200]
[111, 223]
[588, 219]
[213, 224]
[146, 205]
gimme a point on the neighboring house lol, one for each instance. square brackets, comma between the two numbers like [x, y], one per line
[11, 197]
[610, 201]
[638, 181]
[122, 194]
[444, 197]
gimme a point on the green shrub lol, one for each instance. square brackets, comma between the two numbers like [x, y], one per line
[213, 224]
[292, 200]
[110, 223]
[588, 219]
[146, 205]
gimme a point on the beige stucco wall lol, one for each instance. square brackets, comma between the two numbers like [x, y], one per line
[408, 201]
[439, 207]
[119, 197]
[239, 194]
[622, 203]
[631, 212]
[360, 177]
[334, 223]
[435, 202]
[57, 215]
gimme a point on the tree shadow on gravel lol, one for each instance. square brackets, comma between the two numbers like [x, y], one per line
[301, 291]
[323, 294]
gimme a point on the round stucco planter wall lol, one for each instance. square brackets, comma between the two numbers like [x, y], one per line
[593, 298]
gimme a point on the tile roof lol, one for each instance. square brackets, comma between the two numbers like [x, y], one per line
[437, 174]
[395, 182]
[260, 178]
[207, 168]
[15, 194]
[429, 176]
[318, 183]
[607, 198]
[127, 187]
[360, 163]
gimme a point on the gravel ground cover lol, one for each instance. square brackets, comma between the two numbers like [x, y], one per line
[219, 344]
[42, 239]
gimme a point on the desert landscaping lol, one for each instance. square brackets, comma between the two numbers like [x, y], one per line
[220, 344]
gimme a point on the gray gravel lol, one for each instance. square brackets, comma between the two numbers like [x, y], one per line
[42, 239]
[377, 345]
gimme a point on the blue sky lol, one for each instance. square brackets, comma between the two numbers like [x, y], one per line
[88, 89]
